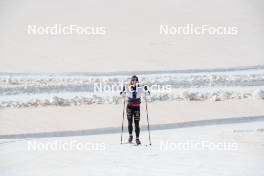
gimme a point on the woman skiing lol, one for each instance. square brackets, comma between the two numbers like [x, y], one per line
[134, 93]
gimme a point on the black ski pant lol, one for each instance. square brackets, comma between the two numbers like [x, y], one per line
[133, 113]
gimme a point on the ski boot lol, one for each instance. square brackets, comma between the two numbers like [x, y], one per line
[130, 139]
[138, 141]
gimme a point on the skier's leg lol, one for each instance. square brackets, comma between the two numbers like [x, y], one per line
[130, 120]
[137, 128]
[136, 121]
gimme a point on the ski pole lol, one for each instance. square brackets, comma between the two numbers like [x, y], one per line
[123, 116]
[147, 116]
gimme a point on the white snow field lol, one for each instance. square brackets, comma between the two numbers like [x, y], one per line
[54, 119]
[18, 90]
[42, 102]
[47, 88]
[133, 40]
[219, 150]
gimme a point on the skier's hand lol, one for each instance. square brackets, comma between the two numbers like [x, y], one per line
[146, 89]
[123, 91]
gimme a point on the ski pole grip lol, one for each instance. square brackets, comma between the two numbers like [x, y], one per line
[146, 88]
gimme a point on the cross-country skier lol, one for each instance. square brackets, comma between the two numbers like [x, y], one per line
[134, 92]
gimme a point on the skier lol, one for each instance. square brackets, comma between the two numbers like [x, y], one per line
[134, 93]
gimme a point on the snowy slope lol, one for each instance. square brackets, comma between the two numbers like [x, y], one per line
[132, 35]
[245, 158]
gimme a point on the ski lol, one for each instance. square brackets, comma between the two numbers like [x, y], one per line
[135, 144]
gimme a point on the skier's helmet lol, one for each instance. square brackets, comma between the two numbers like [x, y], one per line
[134, 78]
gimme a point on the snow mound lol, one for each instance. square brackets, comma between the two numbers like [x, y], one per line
[32, 90]
[259, 94]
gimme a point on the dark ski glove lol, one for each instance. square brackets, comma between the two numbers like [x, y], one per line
[146, 89]
[124, 88]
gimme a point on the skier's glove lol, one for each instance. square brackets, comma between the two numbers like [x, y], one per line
[146, 89]
[123, 91]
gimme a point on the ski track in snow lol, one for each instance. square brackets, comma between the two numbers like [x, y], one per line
[19, 90]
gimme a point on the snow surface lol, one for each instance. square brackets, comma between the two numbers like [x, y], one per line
[33, 89]
[111, 158]
[133, 40]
